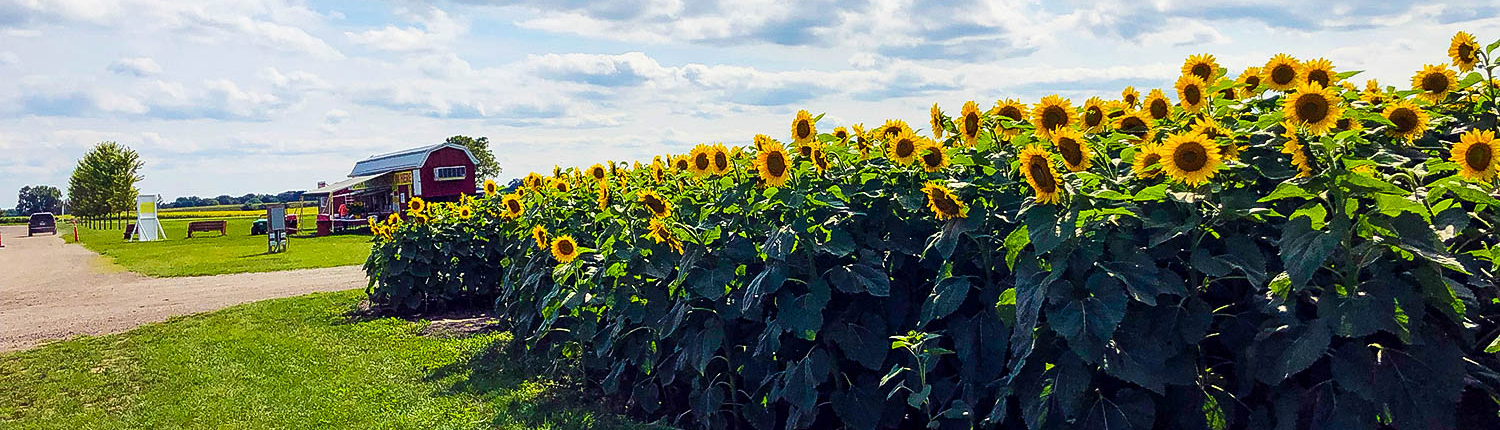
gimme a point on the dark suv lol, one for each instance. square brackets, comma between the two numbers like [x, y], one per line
[42, 222]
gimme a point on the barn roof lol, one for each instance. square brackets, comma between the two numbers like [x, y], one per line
[403, 160]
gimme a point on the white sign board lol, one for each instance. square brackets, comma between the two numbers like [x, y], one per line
[147, 227]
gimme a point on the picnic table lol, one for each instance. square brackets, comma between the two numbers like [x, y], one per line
[220, 226]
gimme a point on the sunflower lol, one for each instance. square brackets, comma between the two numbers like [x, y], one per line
[1093, 115]
[943, 202]
[1281, 72]
[803, 128]
[820, 159]
[1345, 123]
[1462, 50]
[720, 157]
[841, 135]
[1318, 71]
[1201, 65]
[1435, 82]
[1190, 91]
[932, 155]
[1409, 120]
[1052, 113]
[682, 164]
[1475, 155]
[557, 171]
[700, 160]
[603, 196]
[1230, 92]
[597, 172]
[1208, 127]
[1314, 107]
[658, 174]
[1074, 149]
[773, 165]
[490, 187]
[1373, 95]
[1036, 166]
[564, 249]
[512, 205]
[539, 234]
[861, 139]
[903, 147]
[1157, 105]
[1130, 96]
[1250, 80]
[533, 181]
[1147, 163]
[937, 121]
[416, 207]
[659, 207]
[465, 212]
[968, 124]
[1135, 123]
[660, 233]
[1115, 109]
[1008, 110]
[1190, 158]
[892, 128]
[806, 149]
[1293, 146]
[560, 185]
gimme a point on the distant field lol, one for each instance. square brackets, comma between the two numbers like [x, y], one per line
[212, 254]
[259, 207]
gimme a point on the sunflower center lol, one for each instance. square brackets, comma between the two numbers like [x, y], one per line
[513, 205]
[565, 247]
[905, 147]
[776, 164]
[1319, 76]
[1252, 81]
[1093, 116]
[1042, 175]
[1405, 120]
[1011, 112]
[1283, 74]
[1152, 158]
[1070, 150]
[933, 157]
[721, 160]
[598, 173]
[1312, 108]
[1133, 126]
[1159, 109]
[1479, 156]
[1054, 117]
[1465, 53]
[1190, 156]
[701, 161]
[682, 164]
[655, 205]
[945, 204]
[1435, 83]
[1227, 93]
[1202, 71]
[971, 125]
[1342, 124]
[804, 129]
[840, 134]
[1130, 99]
[1192, 95]
[805, 150]
[892, 131]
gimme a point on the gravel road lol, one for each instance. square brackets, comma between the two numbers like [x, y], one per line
[50, 290]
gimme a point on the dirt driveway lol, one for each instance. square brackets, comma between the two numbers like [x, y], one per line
[51, 290]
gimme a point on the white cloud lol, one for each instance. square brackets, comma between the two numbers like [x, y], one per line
[335, 116]
[136, 66]
[437, 29]
[295, 80]
[8, 58]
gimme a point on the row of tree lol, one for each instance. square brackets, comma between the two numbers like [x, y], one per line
[225, 199]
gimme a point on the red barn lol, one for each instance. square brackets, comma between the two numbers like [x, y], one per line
[382, 184]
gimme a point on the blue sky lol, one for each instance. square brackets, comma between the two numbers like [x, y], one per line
[271, 95]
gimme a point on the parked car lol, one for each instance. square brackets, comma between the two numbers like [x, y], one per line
[42, 222]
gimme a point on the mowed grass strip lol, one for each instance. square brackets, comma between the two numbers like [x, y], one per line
[288, 364]
[211, 254]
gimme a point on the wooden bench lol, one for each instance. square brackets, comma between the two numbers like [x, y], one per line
[129, 230]
[220, 226]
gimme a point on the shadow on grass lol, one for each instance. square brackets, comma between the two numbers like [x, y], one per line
[525, 396]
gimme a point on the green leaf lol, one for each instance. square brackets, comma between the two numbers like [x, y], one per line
[1014, 243]
[1131, 409]
[1349, 74]
[1152, 193]
[1044, 229]
[766, 283]
[1288, 190]
[1089, 323]
[839, 243]
[1308, 346]
[1303, 249]
[1143, 279]
[863, 345]
[1494, 346]
[1392, 205]
[946, 297]
[780, 244]
[1414, 234]
[860, 278]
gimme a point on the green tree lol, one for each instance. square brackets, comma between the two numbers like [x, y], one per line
[104, 181]
[40, 198]
[480, 147]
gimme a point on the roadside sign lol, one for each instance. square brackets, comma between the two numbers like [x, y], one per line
[276, 237]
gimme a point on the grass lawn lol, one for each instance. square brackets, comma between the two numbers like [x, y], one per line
[290, 363]
[211, 254]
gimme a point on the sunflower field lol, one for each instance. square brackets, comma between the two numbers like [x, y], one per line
[1285, 248]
